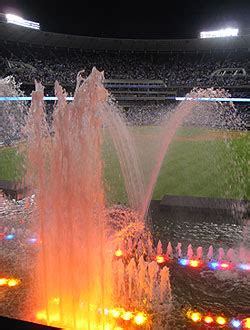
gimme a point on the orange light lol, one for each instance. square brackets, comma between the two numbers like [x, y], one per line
[160, 259]
[54, 317]
[208, 319]
[116, 312]
[55, 301]
[127, 316]
[246, 323]
[3, 281]
[189, 313]
[196, 317]
[118, 253]
[41, 315]
[13, 282]
[221, 320]
[140, 318]
[224, 265]
[194, 263]
[108, 327]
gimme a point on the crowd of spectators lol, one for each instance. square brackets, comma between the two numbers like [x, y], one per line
[209, 115]
[147, 112]
[27, 63]
[179, 69]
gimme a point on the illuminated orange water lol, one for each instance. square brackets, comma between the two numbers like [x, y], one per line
[66, 170]
[79, 272]
[79, 277]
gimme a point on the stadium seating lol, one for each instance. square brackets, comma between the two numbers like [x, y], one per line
[175, 70]
[137, 79]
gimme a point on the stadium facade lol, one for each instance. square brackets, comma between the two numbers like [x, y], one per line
[136, 70]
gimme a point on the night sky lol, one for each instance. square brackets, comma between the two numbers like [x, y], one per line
[132, 19]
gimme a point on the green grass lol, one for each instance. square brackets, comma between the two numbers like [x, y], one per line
[212, 168]
[191, 167]
[10, 164]
[205, 169]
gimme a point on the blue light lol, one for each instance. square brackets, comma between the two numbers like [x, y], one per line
[29, 98]
[213, 265]
[179, 98]
[244, 266]
[9, 237]
[213, 99]
[236, 323]
[183, 262]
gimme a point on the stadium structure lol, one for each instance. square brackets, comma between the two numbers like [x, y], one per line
[138, 73]
[203, 182]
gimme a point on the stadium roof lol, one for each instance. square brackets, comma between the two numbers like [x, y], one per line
[18, 34]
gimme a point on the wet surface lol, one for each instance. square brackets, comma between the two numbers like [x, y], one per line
[201, 288]
[207, 290]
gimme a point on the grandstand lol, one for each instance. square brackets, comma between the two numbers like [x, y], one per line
[136, 71]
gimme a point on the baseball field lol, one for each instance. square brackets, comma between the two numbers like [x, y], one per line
[199, 162]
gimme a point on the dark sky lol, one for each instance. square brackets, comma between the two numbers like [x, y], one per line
[132, 19]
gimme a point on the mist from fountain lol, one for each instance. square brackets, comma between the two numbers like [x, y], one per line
[77, 274]
[199, 115]
[170, 127]
[128, 159]
[12, 114]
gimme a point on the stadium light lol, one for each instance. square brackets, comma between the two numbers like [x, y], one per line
[14, 19]
[229, 32]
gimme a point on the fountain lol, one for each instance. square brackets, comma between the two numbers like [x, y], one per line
[76, 273]
[12, 115]
[96, 266]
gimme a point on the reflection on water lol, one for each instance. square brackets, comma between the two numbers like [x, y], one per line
[227, 291]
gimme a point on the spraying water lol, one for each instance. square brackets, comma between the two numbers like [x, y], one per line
[78, 279]
[76, 272]
[66, 171]
[125, 148]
